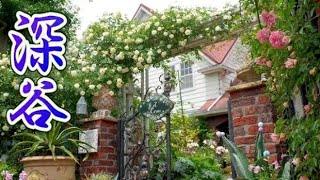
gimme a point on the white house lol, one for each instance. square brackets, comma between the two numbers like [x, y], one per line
[202, 83]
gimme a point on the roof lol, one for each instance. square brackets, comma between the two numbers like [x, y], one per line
[216, 104]
[143, 8]
[218, 51]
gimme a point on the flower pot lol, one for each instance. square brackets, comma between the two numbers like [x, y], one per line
[46, 168]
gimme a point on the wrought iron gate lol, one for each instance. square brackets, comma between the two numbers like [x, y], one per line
[144, 137]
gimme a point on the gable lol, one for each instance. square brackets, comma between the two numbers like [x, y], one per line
[217, 52]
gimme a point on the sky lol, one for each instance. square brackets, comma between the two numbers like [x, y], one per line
[91, 10]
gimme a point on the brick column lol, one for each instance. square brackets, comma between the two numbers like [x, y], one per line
[249, 106]
[105, 159]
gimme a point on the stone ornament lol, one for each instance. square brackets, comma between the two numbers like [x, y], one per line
[104, 101]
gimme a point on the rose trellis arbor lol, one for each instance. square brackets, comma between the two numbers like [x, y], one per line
[119, 48]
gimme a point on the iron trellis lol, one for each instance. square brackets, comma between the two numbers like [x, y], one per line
[136, 154]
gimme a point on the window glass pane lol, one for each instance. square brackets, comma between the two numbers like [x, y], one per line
[186, 76]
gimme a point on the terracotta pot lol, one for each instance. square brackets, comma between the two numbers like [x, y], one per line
[45, 168]
[248, 75]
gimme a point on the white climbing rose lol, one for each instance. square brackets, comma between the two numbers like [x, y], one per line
[77, 85]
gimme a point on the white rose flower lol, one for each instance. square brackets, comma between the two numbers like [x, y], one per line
[140, 59]
[171, 36]
[169, 46]
[135, 70]
[187, 32]
[147, 26]
[136, 52]
[109, 82]
[157, 23]
[165, 33]
[159, 51]
[163, 17]
[16, 87]
[112, 50]
[6, 94]
[111, 93]
[99, 86]
[105, 34]
[179, 21]
[5, 128]
[82, 93]
[227, 17]
[181, 29]
[91, 86]
[146, 66]
[60, 86]
[92, 68]
[150, 53]
[164, 54]
[119, 68]
[76, 85]
[82, 56]
[95, 53]
[102, 71]
[149, 60]
[154, 32]
[22, 127]
[86, 81]
[217, 28]
[130, 33]
[126, 47]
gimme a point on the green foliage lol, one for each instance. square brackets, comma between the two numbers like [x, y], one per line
[59, 141]
[200, 164]
[100, 176]
[184, 129]
[6, 167]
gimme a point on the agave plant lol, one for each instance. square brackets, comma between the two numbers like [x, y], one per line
[57, 141]
[242, 161]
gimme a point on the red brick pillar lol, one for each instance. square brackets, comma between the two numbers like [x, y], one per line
[249, 106]
[105, 159]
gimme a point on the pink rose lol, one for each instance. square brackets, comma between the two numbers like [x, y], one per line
[276, 165]
[312, 71]
[303, 178]
[257, 169]
[263, 35]
[290, 63]
[307, 108]
[268, 18]
[269, 64]
[275, 138]
[278, 40]
[23, 175]
[218, 134]
[261, 61]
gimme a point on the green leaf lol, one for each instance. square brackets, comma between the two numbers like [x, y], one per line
[242, 160]
[69, 153]
[260, 148]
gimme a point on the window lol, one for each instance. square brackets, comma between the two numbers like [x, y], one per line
[186, 76]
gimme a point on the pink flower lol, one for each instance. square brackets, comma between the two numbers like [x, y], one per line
[7, 175]
[23, 175]
[307, 108]
[312, 71]
[303, 178]
[278, 39]
[251, 167]
[296, 161]
[218, 134]
[269, 64]
[268, 18]
[220, 150]
[290, 63]
[276, 165]
[257, 169]
[275, 138]
[263, 35]
[261, 61]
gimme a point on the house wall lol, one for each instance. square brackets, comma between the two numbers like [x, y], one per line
[204, 86]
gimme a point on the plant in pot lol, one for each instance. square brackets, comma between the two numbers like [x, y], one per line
[50, 154]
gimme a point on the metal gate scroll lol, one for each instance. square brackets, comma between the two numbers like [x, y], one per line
[147, 150]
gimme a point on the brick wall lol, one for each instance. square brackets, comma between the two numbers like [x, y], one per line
[105, 160]
[249, 106]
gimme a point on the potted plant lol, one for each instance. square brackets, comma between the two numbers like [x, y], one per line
[48, 154]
